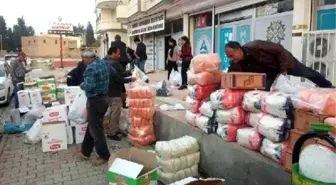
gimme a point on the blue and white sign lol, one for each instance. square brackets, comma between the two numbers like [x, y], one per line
[243, 34]
[225, 37]
[202, 41]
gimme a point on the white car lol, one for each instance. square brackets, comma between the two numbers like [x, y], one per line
[6, 85]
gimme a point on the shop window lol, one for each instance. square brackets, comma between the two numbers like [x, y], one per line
[326, 2]
[177, 25]
[203, 20]
[274, 6]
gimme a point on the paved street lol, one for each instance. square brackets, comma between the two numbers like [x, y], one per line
[23, 164]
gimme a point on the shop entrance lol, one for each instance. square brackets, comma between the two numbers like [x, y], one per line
[166, 49]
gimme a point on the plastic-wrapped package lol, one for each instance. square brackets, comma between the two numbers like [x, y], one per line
[216, 98]
[273, 150]
[33, 136]
[168, 178]
[141, 131]
[176, 148]
[206, 63]
[208, 125]
[200, 92]
[192, 104]
[273, 128]
[77, 111]
[203, 78]
[139, 92]
[139, 122]
[141, 103]
[232, 98]
[145, 113]
[163, 89]
[139, 75]
[191, 118]
[249, 138]
[252, 100]
[277, 104]
[175, 78]
[206, 109]
[234, 116]
[177, 164]
[33, 114]
[142, 141]
[318, 163]
[124, 122]
[229, 132]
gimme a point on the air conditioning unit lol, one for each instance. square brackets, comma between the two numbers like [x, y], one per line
[319, 53]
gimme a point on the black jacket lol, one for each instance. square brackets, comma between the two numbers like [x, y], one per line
[141, 51]
[117, 79]
[123, 56]
[76, 75]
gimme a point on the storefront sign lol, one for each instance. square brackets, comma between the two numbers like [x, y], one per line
[59, 27]
[225, 37]
[149, 24]
[202, 41]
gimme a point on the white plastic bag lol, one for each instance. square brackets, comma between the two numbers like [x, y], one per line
[175, 78]
[33, 136]
[177, 164]
[283, 84]
[140, 76]
[206, 109]
[78, 110]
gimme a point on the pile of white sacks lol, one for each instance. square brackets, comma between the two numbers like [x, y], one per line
[178, 159]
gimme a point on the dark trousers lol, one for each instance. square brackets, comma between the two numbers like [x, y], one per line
[170, 66]
[94, 136]
[185, 67]
[300, 70]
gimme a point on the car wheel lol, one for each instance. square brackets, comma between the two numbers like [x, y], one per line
[8, 97]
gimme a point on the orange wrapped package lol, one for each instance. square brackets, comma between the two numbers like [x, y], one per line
[206, 63]
[139, 122]
[232, 98]
[318, 100]
[141, 92]
[140, 136]
[141, 102]
[145, 113]
[204, 78]
[142, 141]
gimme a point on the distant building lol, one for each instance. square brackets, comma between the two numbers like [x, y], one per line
[48, 46]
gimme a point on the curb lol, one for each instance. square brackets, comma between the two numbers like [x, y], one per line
[3, 143]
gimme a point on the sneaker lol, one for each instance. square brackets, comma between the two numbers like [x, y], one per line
[99, 162]
[114, 137]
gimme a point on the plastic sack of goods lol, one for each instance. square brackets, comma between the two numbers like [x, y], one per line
[203, 78]
[278, 104]
[192, 104]
[273, 128]
[191, 118]
[180, 163]
[199, 92]
[252, 100]
[176, 148]
[227, 98]
[208, 125]
[206, 109]
[77, 111]
[234, 116]
[168, 178]
[273, 150]
[229, 132]
[249, 138]
[175, 78]
[141, 110]
[163, 89]
[206, 63]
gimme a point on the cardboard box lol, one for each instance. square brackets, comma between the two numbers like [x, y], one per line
[70, 93]
[294, 136]
[56, 113]
[54, 136]
[303, 119]
[288, 161]
[47, 84]
[70, 136]
[326, 144]
[133, 166]
[80, 130]
[243, 80]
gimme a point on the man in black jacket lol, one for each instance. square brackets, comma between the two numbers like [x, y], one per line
[76, 76]
[117, 80]
[123, 60]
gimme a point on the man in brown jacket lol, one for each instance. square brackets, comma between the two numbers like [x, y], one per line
[273, 59]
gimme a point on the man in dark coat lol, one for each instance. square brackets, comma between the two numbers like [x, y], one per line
[76, 76]
[117, 43]
[273, 59]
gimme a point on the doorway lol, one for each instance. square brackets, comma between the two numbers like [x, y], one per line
[166, 49]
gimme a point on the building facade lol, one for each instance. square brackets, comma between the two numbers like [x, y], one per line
[48, 46]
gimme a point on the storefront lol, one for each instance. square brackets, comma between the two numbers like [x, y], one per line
[267, 21]
[202, 37]
[326, 15]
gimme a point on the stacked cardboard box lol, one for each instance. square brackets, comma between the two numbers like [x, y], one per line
[48, 89]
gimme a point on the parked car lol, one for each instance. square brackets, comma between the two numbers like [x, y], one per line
[9, 56]
[6, 85]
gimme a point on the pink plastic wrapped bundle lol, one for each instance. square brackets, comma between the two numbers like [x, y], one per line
[235, 116]
[191, 117]
[203, 78]
[145, 113]
[139, 92]
[192, 104]
[232, 98]
[249, 138]
[141, 103]
[206, 63]
[318, 100]
[229, 132]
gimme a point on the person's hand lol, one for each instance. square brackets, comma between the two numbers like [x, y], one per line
[133, 79]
